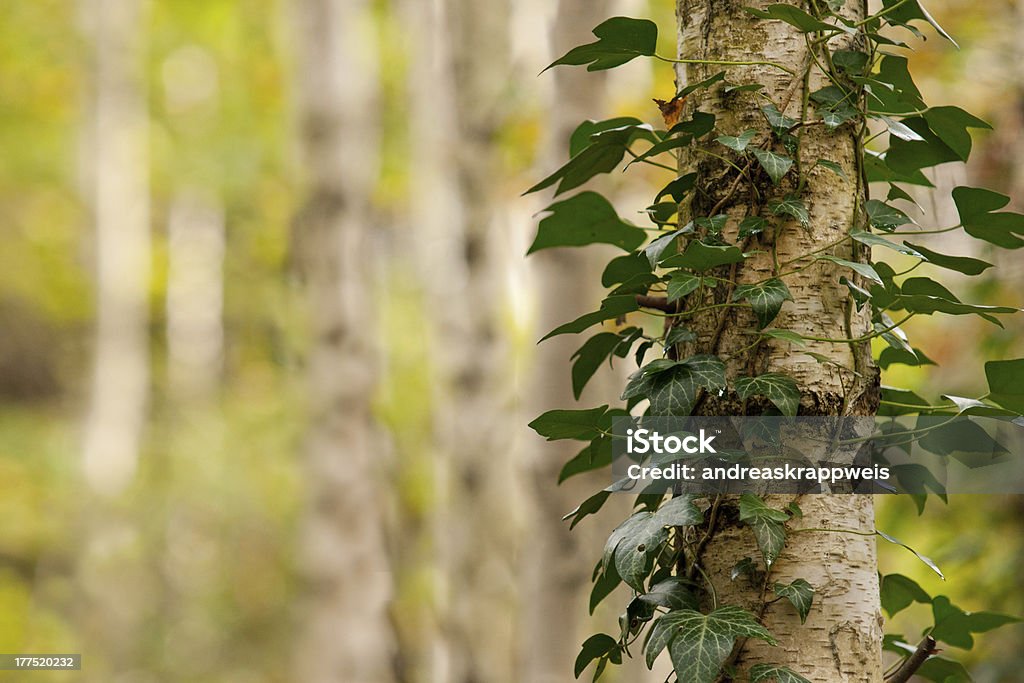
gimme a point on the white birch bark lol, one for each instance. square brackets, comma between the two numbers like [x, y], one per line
[117, 172]
[841, 639]
[345, 633]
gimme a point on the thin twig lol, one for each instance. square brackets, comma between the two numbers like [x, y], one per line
[912, 663]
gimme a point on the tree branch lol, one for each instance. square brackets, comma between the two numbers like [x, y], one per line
[912, 663]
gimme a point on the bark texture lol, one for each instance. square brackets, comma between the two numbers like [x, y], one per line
[841, 639]
[345, 631]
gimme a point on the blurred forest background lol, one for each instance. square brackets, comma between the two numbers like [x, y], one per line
[234, 448]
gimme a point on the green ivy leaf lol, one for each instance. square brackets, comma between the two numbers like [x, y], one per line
[791, 206]
[611, 307]
[904, 12]
[588, 507]
[582, 425]
[1006, 383]
[702, 257]
[943, 670]
[679, 511]
[594, 647]
[931, 565]
[913, 358]
[678, 188]
[752, 225]
[780, 389]
[657, 247]
[602, 155]
[766, 523]
[739, 142]
[775, 166]
[785, 335]
[595, 455]
[674, 391]
[899, 592]
[977, 208]
[885, 217]
[906, 156]
[765, 298]
[680, 285]
[954, 626]
[699, 643]
[672, 593]
[794, 16]
[951, 124]
[589, 357]
[679, 334]
[769, 673]
[779, 122]
[640, 381]
[800, 593]
[587, 218]
[620, 40]
[862, 269]
[874, 240]
[961, 264]
[581, 137]
[632, 547]
[832, 166]
[606, 580]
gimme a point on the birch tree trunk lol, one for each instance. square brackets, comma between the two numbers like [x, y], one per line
[841, 640]
[462, 71]
[118, 190]
[345, 632]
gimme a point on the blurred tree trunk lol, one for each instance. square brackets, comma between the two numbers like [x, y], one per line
[459, 85]
[113, 585]
[345, 633]
[555, 591]
[117, 173]
[841, 641]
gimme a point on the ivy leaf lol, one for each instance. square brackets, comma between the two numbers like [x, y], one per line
[931, 565]
[588, 507]
[606, 580]
[702, 85]
[620, 40]
[785, 335]
[780, 389]
[769, 673]
[587, 218]
[832, 166]
[679, 511]
[640, 381]
[702, 257]
[791, 206]
[774, 165]
[977, 208]
[602, 155]
[594, 647]
[589, 357]
[581, 137]
[913, 358]
[794, 16]
[672, 593]
[961, 264]
[611, 307]
[834, 106]
[906, 12]
[752, 225]
[862, 269]
[674, 391]
[681, 135]
[954, 626]
[906, 156]
[899, 592]
[739, 142]
[779, 122]
[632, 547]
[679, 334]
[874, 240]
[595, 455]
[885, 217]
[678, 188]
[657, 247]
[765, 298]
[900, 130]
[624, 268]
[680, 285]
[1006, 383]
[942, 670]
[582, 425]
[800, 593]
[766, 523]
[699, 643]
[951, 124]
